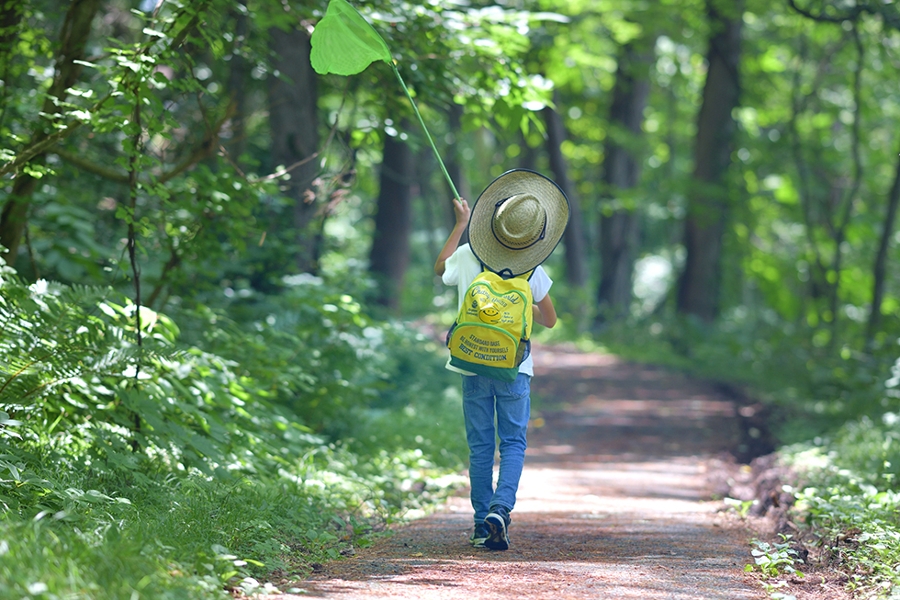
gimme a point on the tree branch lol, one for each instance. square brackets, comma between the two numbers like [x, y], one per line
[855, 135]
[43, 143]
[79, 160]
[203, 150]
[174, 261]
[850, 15]
[883, 9]
[207, 145]
[38, 148]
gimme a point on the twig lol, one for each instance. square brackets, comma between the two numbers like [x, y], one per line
[133, 193]
[851, 15]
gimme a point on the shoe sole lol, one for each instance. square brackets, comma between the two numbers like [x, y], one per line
[498, 539]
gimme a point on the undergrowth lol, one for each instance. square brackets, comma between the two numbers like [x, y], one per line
[849, 501]
[198, 537]
[217, 455]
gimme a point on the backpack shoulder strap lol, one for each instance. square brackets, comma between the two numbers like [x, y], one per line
[507, 273]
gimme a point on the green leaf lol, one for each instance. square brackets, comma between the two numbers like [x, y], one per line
[344, 43]
[154, 33]
[6, 421]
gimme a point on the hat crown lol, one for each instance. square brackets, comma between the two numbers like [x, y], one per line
[519, 221]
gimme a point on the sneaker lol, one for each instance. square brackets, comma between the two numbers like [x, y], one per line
[481, 533]
[498, 523]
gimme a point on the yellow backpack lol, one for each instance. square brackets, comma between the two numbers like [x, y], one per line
[491, 335]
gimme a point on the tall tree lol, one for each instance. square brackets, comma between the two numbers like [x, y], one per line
[707, 212]
[455, 166]
[574, 238]
[238, 76]
[828, 196]
[619, 222]
[73, 39]
[293, 119]
[11, 12]
[390, 252]
[879, 269]
[453, 158]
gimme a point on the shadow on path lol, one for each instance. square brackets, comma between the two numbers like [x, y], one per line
[596, 403]
[614, 502]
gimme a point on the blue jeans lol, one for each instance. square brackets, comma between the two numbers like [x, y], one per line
[482, 396]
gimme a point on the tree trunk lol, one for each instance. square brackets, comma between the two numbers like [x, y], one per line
[707, 212]
[453, 162]
[573, 238]
[880, 268]
[528, 156]
[423, 190]
[11, 12]
[619, 228]
[293, 120]
[389, 256]
[73, 39]
[237, 85]
[455, 169]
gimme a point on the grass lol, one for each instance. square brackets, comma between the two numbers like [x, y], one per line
[194, 537]
[221, 484]
[164, 543]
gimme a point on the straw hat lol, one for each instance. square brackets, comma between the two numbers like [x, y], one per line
[517, 221]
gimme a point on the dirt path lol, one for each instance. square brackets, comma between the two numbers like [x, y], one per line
[614, 502]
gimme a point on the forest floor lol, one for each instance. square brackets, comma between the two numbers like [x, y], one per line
[616, 501]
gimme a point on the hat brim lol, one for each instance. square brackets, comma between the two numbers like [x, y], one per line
[493, 254]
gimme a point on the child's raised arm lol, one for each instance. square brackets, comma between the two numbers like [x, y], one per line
[462, 211]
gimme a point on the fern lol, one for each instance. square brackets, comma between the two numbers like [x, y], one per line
[72, 377]
[48, 336]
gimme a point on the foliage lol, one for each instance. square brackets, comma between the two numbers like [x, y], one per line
[72, 358]
[775, 559]
[153, 453]
[851, 507]
[176, 537]
[203, 221]
[71, 354]
[742, 507]
[155, 101]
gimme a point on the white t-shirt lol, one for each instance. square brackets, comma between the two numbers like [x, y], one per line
[463, 266]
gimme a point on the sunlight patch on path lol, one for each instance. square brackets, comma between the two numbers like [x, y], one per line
[613, 503]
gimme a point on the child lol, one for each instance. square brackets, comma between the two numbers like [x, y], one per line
[514, 226]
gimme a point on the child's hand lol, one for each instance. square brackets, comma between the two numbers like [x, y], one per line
[461, 210]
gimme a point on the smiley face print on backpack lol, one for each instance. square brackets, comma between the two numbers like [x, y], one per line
[490, 314]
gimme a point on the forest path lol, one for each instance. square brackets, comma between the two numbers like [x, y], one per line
[614, 502]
